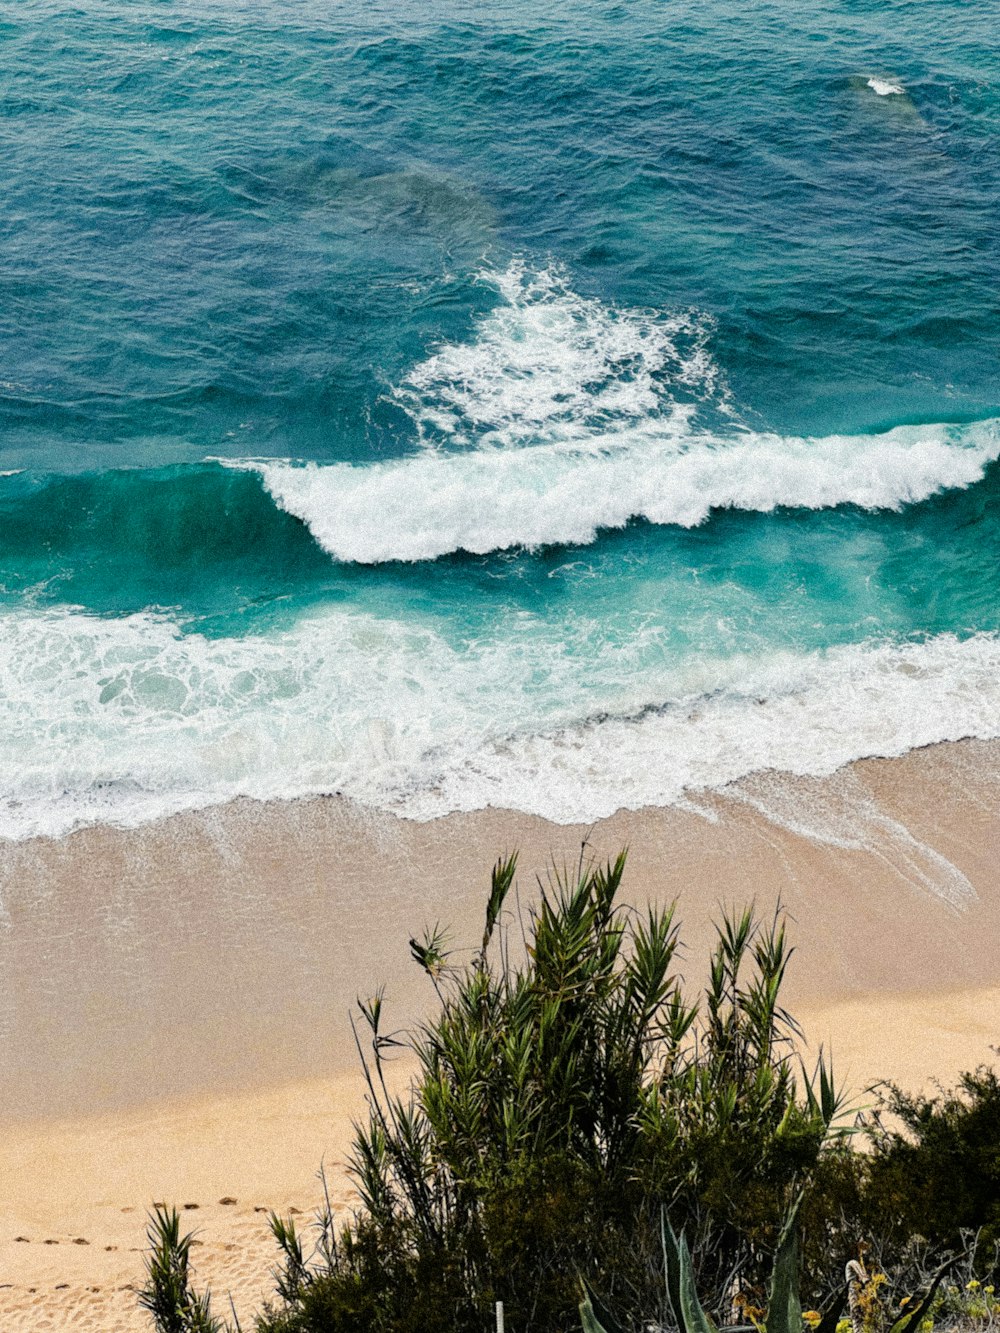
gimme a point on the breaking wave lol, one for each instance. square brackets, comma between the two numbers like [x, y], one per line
[483, 500]
[125, 720]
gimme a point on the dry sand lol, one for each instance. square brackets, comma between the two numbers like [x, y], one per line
[174, 999]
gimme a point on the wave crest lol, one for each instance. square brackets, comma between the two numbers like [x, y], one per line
[422, 507]
[564, 416]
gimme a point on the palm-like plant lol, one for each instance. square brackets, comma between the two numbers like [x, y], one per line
[168, 1295]
[567, 1063]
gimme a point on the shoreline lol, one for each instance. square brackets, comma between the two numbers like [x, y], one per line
[174, 999]
[182, 958]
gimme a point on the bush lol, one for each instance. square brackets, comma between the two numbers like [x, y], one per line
[935, 1170]
[566, 1087]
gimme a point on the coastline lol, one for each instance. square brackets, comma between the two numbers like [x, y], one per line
[182, 958]
[176, 997]
[92, 1178]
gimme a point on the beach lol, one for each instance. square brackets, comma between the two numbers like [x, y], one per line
[434, 432]
[177, 997]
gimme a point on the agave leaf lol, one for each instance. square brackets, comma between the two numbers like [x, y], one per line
[594, 1316]
[784, 1309]
[910, 1322]
[695, 1320]
[671, 1266]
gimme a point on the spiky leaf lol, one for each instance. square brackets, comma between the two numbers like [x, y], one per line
[695, 1320]
[784, 1309]
[594, 1316]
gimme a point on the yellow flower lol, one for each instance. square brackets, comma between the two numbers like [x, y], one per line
[812, 1318]
[972, 1286]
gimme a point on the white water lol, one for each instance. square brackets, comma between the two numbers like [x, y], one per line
[493, 499]
[564, 416]
[126, 720]
[561, 417]
[548, 363]
[886, 88]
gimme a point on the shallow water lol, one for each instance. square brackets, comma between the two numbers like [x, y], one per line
[560, 408]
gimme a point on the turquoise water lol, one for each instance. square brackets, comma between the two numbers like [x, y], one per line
[561, 407]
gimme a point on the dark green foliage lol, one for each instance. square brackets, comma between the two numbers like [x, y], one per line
[936, 1164]
[784, 1309]
[167, 1294]
[568, 1088]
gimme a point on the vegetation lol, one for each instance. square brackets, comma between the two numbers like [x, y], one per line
[936, 1162]
[572, 1096]
[168, 1295]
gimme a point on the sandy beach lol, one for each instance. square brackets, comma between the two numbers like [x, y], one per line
[175, 998]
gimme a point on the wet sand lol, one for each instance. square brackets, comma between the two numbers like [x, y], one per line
[174, 999]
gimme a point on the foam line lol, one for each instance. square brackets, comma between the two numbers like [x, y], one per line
[125, 720]
[484, 500]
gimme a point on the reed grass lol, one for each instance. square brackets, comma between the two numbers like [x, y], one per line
[570, 1087]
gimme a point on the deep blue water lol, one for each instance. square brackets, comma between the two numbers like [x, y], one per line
[557, 405]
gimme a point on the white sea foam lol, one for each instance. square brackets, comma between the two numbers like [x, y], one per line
[125, 720]
[549, 364]
[886, 88]
[802, 714]
[563, 416]
[559, 418]
[482, 500]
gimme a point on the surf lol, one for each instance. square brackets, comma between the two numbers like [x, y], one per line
[424, 507]
[127, 719]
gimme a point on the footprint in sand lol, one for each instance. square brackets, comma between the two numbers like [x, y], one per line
[227, 1199]
[192, 1205]
[22, 1238]
[79, 1240]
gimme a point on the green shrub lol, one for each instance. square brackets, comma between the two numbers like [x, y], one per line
[168, 1295]
[935, 1169]
[566, 1086]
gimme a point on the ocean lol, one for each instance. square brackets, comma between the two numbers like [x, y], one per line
[558, 407]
